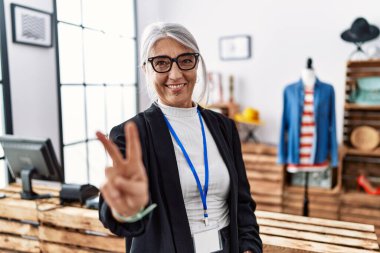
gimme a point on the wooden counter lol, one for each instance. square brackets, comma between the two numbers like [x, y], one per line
[283, 233]
[46, 226]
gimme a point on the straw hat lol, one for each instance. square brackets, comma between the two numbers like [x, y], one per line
[365, 138]
[249, 116]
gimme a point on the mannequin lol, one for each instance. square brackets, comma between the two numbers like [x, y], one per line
[308, 79]
[308, 133]
[307, 128]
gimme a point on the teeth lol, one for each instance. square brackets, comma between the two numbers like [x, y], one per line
[176, 86]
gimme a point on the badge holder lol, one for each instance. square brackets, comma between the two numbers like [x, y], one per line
[208, 241]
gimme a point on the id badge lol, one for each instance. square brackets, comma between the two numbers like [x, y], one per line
[208, 241]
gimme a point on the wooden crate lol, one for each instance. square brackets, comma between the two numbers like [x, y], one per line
[355, 165]
[323, 203]
[355, 206]
[51, 227]
[265, 176]
[290, 233]
[356, 114]
[18, 224]
[69, 227]
[228, 109]
[361, 207]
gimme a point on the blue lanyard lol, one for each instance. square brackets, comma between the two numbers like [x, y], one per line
[203, 192]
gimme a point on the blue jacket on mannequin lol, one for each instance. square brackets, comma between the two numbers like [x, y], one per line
[324, 112]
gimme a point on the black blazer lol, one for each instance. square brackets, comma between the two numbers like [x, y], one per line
[167, 229]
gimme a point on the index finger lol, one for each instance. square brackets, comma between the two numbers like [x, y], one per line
[110, 147]
[132, 140]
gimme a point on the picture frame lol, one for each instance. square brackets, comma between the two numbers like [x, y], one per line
[31, 26]
[236, 47]
[215, 87]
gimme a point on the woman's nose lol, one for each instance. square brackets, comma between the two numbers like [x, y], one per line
[175, 72]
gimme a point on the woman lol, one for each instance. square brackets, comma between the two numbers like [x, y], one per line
[185, 159]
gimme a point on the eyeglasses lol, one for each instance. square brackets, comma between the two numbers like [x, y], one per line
[163, 63]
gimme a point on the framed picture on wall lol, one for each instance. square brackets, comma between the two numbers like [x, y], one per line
[235, 47]
[31, 26]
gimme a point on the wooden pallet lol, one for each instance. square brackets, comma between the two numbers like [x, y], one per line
[290, 233]
[46, 226]
[18, 224]
[265, 176]
[323, 203]
[361, 207]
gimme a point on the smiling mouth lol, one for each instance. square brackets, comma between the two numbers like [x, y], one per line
[175, 86]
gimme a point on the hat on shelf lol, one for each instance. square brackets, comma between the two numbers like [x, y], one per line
[360, 31]
[249, 115]
[365, 138]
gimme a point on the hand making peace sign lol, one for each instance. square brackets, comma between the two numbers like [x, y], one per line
[126, 186]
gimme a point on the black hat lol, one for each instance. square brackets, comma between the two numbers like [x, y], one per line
[360, 31]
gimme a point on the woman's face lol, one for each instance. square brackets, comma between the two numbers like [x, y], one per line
[174, 88]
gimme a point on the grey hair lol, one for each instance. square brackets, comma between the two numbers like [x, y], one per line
[161, 30]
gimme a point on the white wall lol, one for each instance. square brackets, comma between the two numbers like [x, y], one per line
[148, 11]
[33, 82]
[284, 34]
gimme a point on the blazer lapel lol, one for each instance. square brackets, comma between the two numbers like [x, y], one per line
[167, 164]
[220, 140]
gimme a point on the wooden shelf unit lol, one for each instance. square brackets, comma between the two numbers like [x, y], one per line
[358, 152]
[229, 109]
[358, 114]
[357, 206]
[355, 115]
[351, 106]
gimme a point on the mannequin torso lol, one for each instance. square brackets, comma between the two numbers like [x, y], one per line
[308, 78]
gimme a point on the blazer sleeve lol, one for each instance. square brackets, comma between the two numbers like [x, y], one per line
[332, 131]
[282, 147]
[105, 215]
[248, 229]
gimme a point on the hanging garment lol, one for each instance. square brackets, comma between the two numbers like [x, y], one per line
[325, 144]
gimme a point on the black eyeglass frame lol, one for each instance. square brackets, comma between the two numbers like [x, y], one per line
[196, 55]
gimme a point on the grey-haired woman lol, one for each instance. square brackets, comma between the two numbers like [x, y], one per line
[178, 182]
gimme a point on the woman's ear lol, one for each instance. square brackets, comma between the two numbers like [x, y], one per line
[144, 68]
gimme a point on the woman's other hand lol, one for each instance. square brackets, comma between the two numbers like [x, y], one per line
[126, 186]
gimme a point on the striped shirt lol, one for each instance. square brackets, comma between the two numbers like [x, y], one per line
[307, 138]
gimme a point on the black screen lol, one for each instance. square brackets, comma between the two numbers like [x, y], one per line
[25, 153]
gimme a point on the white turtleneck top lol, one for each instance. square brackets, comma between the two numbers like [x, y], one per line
[186, 124]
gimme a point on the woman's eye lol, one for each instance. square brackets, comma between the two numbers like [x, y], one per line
[161, 63]
[187, 61]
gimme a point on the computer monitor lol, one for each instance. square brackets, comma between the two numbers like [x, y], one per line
[30, 158]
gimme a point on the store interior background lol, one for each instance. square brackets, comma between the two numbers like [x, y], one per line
[284, 34]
